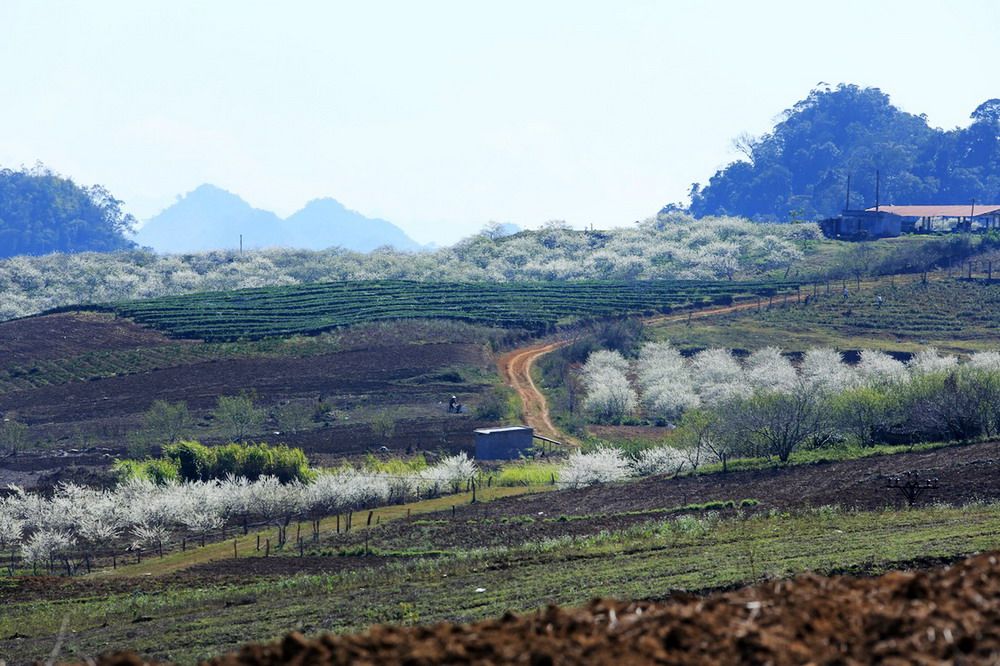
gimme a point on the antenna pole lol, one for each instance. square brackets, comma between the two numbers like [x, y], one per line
[877, 183]
[847, 206]
[241, 245]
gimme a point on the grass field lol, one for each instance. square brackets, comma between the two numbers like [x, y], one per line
[952, 314]
[186, 622]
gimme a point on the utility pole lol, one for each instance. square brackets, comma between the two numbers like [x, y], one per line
[877, 184]
[241, 245]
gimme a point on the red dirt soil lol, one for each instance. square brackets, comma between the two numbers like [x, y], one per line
[945, 615]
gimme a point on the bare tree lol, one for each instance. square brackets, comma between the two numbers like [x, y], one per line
[747, 144]
[779, 422]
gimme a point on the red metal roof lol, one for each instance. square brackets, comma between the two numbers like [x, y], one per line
[961, 210]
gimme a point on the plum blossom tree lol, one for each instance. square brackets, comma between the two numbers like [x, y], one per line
[824, 370]
[665, 381]
[877, 368]
[929, 360]
[604, 465]
[609, 394]
[768, 370]
[718, 376]
[659, 460]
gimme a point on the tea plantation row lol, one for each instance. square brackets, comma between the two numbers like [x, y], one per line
[534, 306]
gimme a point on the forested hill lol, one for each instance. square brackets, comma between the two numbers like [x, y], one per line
[42, 212]
[799, 170]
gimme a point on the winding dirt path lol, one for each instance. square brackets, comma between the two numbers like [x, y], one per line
[515, 366]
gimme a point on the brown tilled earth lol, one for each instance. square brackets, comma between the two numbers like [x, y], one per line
[86, 423]
[68, 334]
[948, 615]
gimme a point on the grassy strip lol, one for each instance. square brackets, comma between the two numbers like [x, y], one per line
[827, 455]
[246, 546]
[646, 560]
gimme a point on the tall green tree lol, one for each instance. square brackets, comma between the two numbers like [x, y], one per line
[42, 212]
[800, 168]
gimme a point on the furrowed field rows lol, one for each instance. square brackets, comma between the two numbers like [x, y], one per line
[104, 364]
[267, 312]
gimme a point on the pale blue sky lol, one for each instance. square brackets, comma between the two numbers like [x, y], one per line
[441, 116]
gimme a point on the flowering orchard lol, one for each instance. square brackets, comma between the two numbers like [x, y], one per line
[77, 525]
[672, 247]
[766, 406]
[666, 384]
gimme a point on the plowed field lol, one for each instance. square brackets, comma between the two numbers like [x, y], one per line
[944, 615]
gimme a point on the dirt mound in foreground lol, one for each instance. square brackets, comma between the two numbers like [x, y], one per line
[946, 615]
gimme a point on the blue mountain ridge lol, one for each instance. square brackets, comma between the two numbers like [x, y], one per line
[210, 218]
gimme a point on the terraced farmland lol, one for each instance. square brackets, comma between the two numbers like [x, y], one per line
[955, 315]
[534, 306]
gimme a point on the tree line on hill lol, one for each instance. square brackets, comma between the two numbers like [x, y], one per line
[42, 212]
[799, 170]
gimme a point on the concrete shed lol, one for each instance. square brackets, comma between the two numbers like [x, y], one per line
[507, 443]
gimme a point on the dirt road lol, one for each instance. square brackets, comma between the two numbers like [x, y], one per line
[515, 367]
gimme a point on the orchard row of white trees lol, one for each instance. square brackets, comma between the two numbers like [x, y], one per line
[665, 384]
[672, 246]
[766, 406]
[75, 524]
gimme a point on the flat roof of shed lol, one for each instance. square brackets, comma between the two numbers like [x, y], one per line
[490, 431]
[961, 210]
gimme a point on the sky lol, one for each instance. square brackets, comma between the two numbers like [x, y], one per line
[441, 116]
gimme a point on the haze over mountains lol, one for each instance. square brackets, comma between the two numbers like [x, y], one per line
[210, 218]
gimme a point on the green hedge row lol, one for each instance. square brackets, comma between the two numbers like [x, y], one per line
[193, 461]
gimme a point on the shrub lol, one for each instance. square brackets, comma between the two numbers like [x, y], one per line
[197, 462]
[602, 466]
[238, 416]
[659, 460]
[499, 404]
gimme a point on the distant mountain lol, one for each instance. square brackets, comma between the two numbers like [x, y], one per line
[210, 218]
[326, 222]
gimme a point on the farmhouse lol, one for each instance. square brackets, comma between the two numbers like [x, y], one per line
[927, 219]
[887, 221]
[862, 225]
